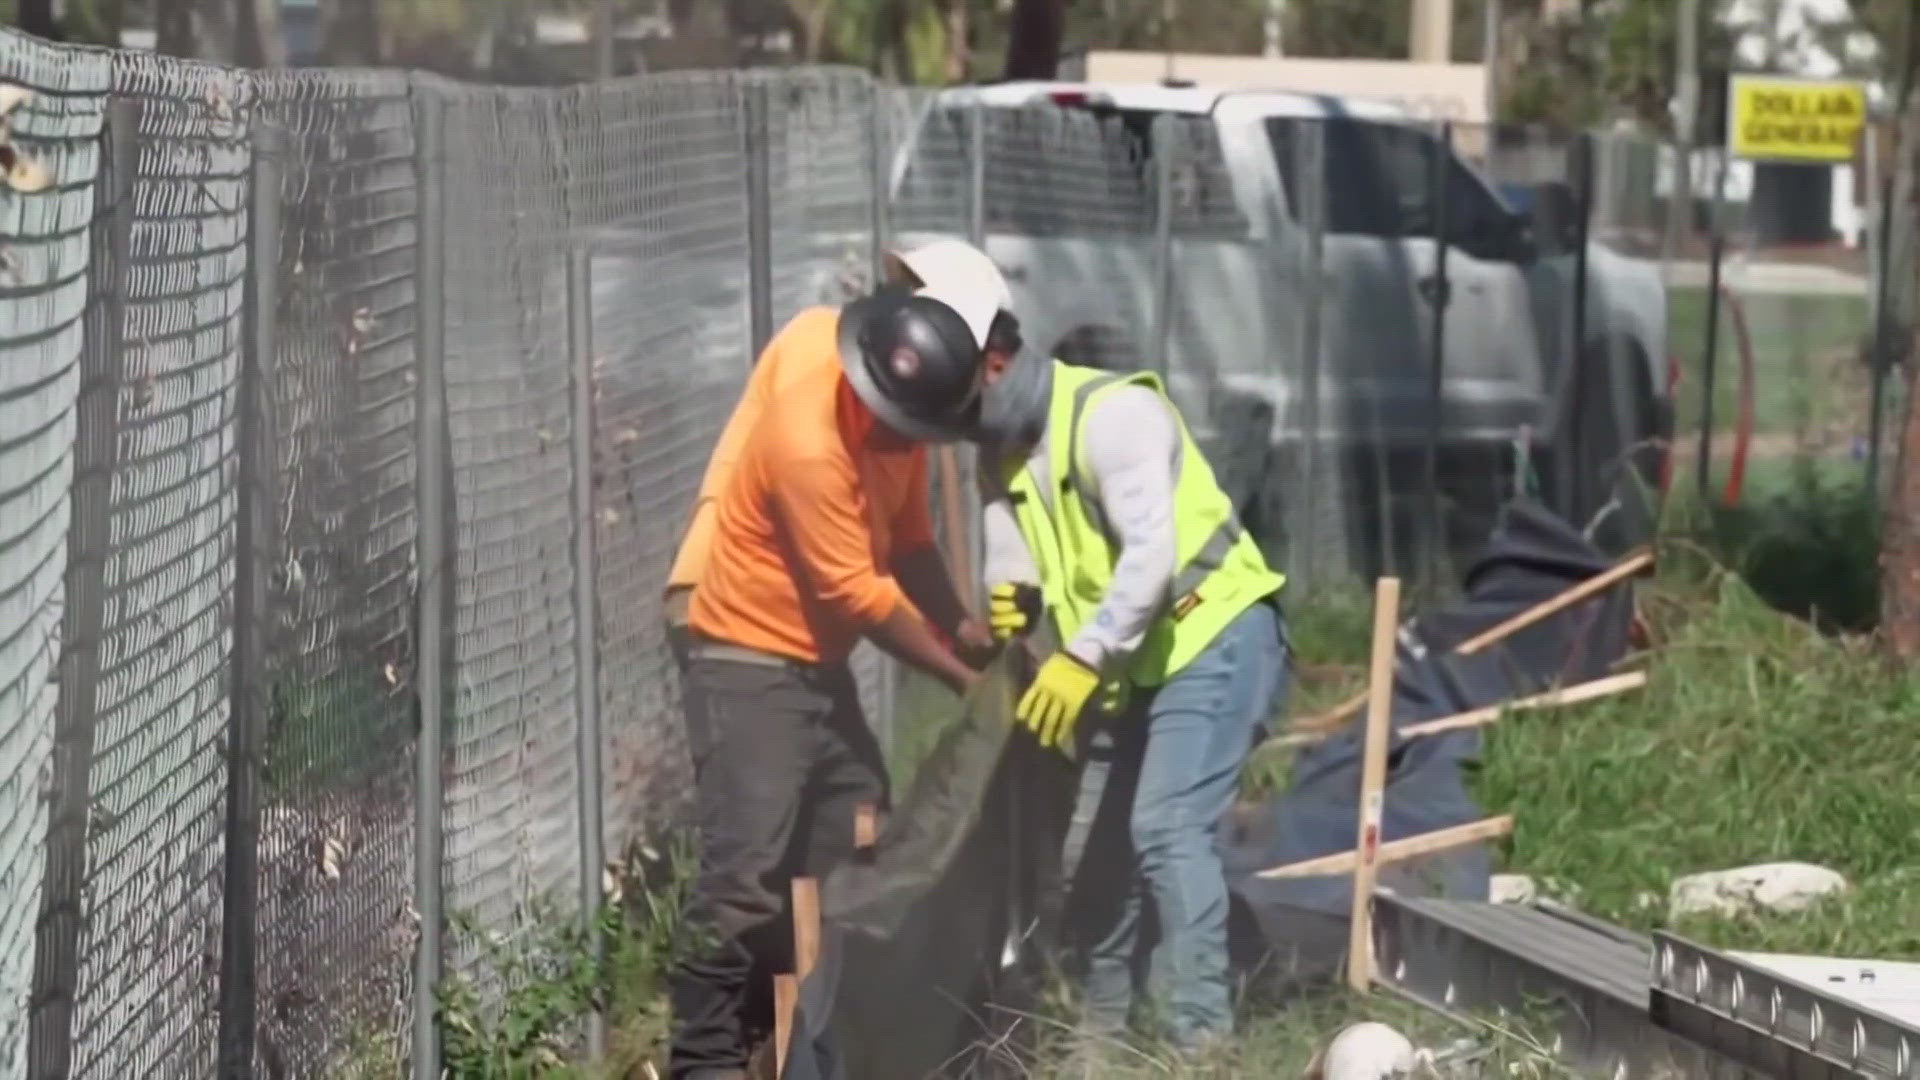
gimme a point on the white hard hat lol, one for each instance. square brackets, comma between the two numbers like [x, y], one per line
[953, 270]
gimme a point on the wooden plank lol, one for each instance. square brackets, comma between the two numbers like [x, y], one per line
[1394, 851]
[1625, 568]
[806, 926]
[1593, 586]
[866, 826]
[1373, 779]
[953, 503]
[786, 998]
[1571, 695]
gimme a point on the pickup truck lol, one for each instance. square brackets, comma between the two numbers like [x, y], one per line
[1072, 212]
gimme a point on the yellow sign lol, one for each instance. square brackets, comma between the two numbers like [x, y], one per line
[1773, 119]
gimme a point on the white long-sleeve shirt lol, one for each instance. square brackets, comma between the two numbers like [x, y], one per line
[1127, 471]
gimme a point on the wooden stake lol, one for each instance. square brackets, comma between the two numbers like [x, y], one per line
[786, 998]
[953, 503]
[806, 926]
[1373, 776]
[1591, 587]
[806, 953]
[1412, 847]
[1625, 568]
[1571, 695]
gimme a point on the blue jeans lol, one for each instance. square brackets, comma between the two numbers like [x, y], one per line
[1152, 794]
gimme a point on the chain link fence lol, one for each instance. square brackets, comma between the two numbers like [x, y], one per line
[44, 267]
[332, 552]
[1791, 300]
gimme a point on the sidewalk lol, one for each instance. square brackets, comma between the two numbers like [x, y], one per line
[1800, 279]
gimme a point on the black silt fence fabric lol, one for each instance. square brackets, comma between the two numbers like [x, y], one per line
[931, 947]
[1296, 928]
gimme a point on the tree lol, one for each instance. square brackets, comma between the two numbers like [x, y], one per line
[1900, 522]
[349, 33]
[202, 29]
[1035, 35]
[258, 40]
[36, 17]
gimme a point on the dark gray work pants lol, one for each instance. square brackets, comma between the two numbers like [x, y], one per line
[782, 759]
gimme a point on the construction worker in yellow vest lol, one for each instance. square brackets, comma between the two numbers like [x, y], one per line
[1098, 503]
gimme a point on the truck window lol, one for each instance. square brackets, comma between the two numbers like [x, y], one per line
[1379, 181]
[1078, 171]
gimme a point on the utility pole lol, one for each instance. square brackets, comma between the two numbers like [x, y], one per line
[1276, 18]
[1490, 56]
[1431, 40]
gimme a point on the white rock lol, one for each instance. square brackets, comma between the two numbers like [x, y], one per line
[1774, 888]
[1365, 1051]
[1512, 889]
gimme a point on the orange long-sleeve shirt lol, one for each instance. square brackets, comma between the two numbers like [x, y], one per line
[808, 511]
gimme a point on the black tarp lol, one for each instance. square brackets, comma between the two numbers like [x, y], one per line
[1296, 928]
[927, 950]
[930, 948]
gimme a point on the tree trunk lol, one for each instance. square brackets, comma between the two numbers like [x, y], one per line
[1900, 524]
[173, 30]
[36, 17]
[97, 23]
[257, 39]
[959, 44]
[350, 33]
[702, 35]
[1900, 517]
[200, 29]
[1034, 38]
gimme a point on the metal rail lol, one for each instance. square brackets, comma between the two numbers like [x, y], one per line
[1546, 965]
[1628, 1006]
[1777, 1025]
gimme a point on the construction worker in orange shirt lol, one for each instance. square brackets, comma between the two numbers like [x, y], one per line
[813, 531]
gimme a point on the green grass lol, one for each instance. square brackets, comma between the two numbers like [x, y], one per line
[1806, 362]
[1757, 739]
[1283, 1043]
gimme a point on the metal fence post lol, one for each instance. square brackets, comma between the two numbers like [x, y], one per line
[57, 931]
[1580, 506]
[759, 217]
[1310, 163]
[977, 176]
[1882, 351]
[252, 528]
[586, 619]
[433, 561]
[1439, 297]
[880, 177]
[1165, 135]
[1716, 254]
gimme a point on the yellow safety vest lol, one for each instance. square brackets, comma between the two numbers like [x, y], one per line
[1220, 570]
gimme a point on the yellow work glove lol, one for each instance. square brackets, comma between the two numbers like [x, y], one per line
[1051, 706]
[1010, 609]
